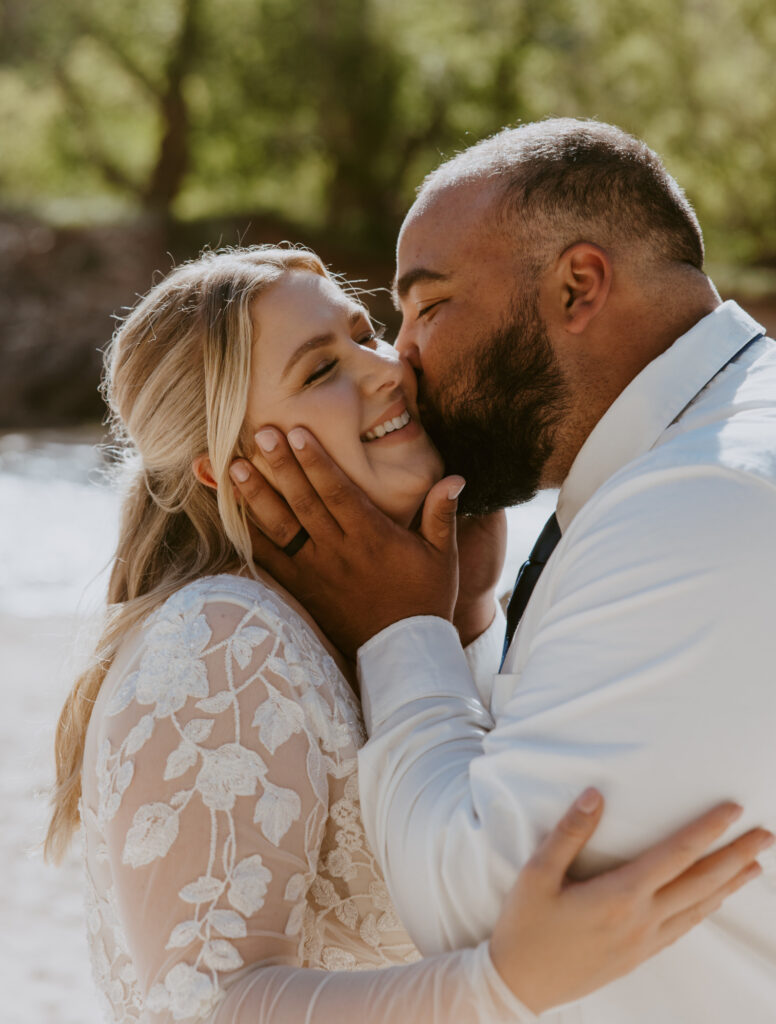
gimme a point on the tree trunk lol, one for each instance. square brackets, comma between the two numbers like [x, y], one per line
[174, 148]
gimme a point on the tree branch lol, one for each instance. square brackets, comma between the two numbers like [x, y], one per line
[110, 170]
[105, 38]
[173, 155]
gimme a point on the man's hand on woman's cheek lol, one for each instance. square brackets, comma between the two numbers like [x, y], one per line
[358, 571]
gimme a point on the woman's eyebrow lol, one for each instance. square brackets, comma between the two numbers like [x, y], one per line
[319, 341]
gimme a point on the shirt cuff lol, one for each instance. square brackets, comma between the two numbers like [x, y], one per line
[518, 1010]
[411, 659]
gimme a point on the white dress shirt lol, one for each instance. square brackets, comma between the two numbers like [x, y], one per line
[645, 664]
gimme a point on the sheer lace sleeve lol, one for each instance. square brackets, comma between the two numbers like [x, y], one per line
[217, 752]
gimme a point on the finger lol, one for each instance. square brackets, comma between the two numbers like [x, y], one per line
[712, 872]
[680, 924]
[293, 483]
[268, 509]
[666, 860]
[344, 501]
[278, 564]
[438, 524]
[557, 852]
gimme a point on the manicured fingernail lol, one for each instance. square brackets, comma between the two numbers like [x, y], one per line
[766, 841]
[589, 801]
[267, 440]
[297, 438]
[455, 489]
[734, 812]
[239, 472]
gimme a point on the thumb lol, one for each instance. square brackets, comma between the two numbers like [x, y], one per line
[437, 524]
[556, 854]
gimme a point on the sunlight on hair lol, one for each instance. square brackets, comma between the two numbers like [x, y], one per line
[176, 383]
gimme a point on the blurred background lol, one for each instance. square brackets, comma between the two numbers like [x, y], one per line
[132, 135]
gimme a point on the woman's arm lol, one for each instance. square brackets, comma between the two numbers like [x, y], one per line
[223, 750]
[554, 941]
[215, 793]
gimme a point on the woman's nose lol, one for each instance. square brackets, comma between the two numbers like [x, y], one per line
[381, 368]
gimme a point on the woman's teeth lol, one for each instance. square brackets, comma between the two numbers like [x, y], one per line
[386, 428]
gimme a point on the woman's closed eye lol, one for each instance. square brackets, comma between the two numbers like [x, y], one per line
[327, 366]
[323, 369]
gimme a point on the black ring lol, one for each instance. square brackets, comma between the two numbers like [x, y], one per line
[296, 542]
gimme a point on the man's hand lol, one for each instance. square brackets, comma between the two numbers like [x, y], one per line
[482, 546]
[358, 572]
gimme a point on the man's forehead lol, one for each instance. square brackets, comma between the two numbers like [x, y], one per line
[444, 227]
[452, 209]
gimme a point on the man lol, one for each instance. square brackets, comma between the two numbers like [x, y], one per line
[565, 335]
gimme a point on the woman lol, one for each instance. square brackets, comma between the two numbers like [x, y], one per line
[212, 745]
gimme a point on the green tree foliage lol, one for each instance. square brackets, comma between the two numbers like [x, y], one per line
[328, 113]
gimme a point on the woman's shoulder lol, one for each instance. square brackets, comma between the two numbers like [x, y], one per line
[217, 626]
[229, 589]
[227, 603]
[228, 648]
[192, 614]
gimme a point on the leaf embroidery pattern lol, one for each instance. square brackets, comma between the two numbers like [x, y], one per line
[276, 686]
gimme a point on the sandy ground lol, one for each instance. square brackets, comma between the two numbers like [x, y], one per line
[44, 967]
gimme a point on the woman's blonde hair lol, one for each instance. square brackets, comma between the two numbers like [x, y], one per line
[177, 375]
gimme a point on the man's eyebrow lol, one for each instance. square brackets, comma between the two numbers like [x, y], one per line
[318, 342]
[417, 275]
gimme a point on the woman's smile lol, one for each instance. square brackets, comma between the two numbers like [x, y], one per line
[397, 426]
[318, 363]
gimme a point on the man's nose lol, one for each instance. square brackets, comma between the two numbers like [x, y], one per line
[407, 348]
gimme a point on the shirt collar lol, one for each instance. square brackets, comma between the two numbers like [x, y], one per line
[653, 400]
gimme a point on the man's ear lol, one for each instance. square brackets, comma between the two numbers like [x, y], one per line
[203, 471]
[582, 280]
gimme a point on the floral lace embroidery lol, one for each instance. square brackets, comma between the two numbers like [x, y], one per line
[233, 704]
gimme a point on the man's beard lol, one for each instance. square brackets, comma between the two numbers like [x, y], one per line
[494, 421]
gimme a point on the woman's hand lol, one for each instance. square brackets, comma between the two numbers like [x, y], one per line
[557, 940]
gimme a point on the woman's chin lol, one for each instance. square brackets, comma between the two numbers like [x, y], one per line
[408, 512]
[414, 523]
[400, 494]
[403, 514]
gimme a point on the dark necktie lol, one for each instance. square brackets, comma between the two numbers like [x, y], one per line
[527, 578]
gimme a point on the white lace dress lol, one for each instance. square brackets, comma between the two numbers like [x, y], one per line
[224, 850]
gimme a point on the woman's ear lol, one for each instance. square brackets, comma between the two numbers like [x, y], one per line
[203, 471]
[584, 280]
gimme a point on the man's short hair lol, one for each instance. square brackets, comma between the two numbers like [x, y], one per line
[567, 180]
